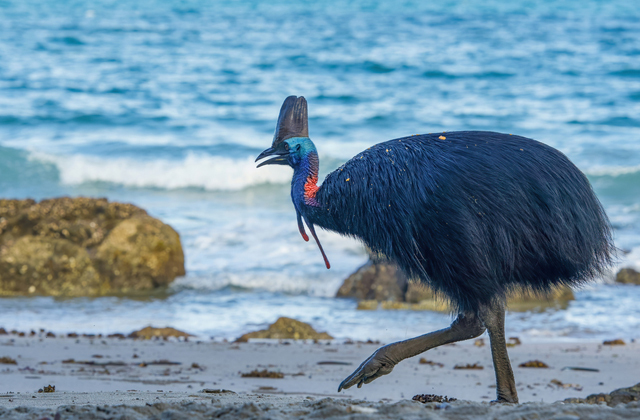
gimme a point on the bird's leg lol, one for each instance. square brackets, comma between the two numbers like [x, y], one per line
[493, 319]
[382, 361]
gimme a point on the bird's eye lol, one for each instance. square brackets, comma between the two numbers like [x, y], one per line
[286, 146]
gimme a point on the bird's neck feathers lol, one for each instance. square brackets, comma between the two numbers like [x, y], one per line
[304, 184]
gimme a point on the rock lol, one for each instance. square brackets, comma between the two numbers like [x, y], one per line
[558, 298]
[375, 281]
[141, 248]
[381, 281]
[287, 328]
[435, 304]
[368, 305]
[418, 292]
[150, 332]
[628, 276]
[47, 266]
[84, 247]
[625, 395]
[619, 396]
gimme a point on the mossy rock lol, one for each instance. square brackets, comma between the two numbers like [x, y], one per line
[84, 247]
[45, 266]
[619, 396]
[380, 284]
[368, 305]
[147, 333]
[379, 281]
[558, 298]
[287, 328]
[418, 292]
[142, 248]
[436, 305]
[628, 276]
[82, 221]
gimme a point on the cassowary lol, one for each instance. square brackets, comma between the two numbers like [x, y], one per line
[473, 214]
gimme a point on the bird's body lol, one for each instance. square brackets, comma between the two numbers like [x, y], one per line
[473, 214]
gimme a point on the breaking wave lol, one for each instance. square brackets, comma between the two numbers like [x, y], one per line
[213, 173]
[205, 171]
[613, 170]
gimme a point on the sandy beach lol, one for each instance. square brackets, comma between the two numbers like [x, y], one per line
[200, 378]
[465, 140]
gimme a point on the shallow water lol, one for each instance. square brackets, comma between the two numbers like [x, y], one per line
[598, 313]
[166, 103]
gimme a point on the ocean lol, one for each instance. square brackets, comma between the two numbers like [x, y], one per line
[166, 104]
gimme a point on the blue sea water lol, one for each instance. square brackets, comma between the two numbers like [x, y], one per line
[166, 103]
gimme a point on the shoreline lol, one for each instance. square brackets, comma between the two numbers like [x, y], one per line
[99, 378]
[96, 364]
[230, 314]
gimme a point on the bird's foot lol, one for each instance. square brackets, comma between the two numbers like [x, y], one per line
[378, 364]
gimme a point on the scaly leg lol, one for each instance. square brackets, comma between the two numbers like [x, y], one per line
[382, 361]
[493, 319]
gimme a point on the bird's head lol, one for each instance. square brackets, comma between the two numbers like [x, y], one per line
[290, 152]
[291, 143]
[292, 146]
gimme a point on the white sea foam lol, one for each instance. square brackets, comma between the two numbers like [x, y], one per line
[213, 173]
[612, 170]
[324, 285]
[632, 259]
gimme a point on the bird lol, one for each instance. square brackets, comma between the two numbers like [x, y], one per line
[474, 215]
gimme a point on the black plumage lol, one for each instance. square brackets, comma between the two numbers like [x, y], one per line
[471, 213]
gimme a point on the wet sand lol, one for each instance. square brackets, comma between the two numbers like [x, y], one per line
[156, 376]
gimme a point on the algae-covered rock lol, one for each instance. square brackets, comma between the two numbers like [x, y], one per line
[84, 247]
[435, 304]
[287, 328]
[83, 221]
[418, 292]
[379, 281]
[619, 396]
[141, 248]
[381, 284]
[558, 298]
[47, 266]
[368, 305]
[150, 332]
[628, 276]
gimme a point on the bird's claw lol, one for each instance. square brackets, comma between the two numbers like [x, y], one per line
[377, 365]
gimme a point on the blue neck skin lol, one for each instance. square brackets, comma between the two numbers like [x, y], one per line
[305, 165]
[303, 158]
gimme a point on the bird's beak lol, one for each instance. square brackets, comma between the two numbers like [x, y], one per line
[281, 156]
